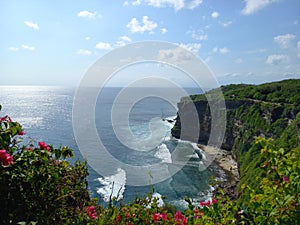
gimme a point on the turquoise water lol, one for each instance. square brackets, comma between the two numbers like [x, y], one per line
[46, 115]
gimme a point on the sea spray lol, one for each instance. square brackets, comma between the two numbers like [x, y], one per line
[112, 186]
[163, 153]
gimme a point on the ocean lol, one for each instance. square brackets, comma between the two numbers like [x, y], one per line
[46, 115]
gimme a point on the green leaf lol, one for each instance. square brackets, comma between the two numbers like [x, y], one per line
[288, 198]
[55, 176]
[281, 151]
[22, 223]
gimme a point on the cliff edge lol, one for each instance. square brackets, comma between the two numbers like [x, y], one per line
[270, 110]
[251, 111]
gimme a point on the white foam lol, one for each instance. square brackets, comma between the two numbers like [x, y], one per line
[180, 203]
[168, 138]
[113, 186]
[168, 123]
[202, 196]
[163, 153]
[195, 146]
[159, 200]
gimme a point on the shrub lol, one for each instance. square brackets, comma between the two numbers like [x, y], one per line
[39, 185]
[36, 182]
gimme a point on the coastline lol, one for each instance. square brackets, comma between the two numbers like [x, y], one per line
[223, 160]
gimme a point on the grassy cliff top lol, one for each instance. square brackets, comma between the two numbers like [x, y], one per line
[285, 91]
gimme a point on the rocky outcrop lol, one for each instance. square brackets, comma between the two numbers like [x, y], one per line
[187, 114]
[269, 110]
[246, 119]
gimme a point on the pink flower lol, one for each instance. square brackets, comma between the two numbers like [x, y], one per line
[3, 118]
[285, 179]
[156, 217]
[91, 211]
[43, 145]
[21, 132]
[180, 218]
[197, 213]
[202, 204]
[118, 218]
[208, 203]
[6, 158]
[29, 149]
[164, 217]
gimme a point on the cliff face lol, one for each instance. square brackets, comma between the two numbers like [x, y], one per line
[250, 112]
[203, 113]
[185, 113]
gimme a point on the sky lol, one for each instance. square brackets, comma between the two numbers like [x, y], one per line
[55, 42]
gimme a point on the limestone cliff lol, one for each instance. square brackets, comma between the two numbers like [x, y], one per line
[251, 111]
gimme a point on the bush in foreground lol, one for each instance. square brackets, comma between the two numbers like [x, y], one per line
[38, 185]
[36, 181]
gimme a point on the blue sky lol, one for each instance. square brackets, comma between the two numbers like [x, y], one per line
[55, 42]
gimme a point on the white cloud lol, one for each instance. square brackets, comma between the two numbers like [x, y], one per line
[296, 22]
[231, 75]
[276, 59]
[193, 47]
[220, 50]
[32, 25]
[135, 26]
[88, 15]
[224, 50]
[215, 15]
[84, 52]
[284, 41]
[226, 24]
[176, 4]
[163, 30]
[136, 2]
[201, 37]
[253, 6]
[215, 50]
[175, 55]
[123, 40]
[193, 4]
[13, 49]
[27, 47]
[24, 47]
[255, 51]
[103, 46]
[87, 38]
[120, 44]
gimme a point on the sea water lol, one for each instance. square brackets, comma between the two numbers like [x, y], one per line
[46, 115]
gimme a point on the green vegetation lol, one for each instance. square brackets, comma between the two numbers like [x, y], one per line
[282, 92]
[36, 182]
[275, 92]
[39, 186]
[269, 110]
